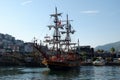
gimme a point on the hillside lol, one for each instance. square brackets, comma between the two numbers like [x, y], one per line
[107, 47]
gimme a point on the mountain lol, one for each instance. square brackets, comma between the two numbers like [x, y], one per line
[107, 47]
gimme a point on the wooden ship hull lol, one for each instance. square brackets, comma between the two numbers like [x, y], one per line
[63, 65]
[63, 62]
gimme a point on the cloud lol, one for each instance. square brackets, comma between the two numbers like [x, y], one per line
[26, 2]
[90, 12]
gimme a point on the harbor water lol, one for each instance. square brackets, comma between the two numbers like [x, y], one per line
[84, 73]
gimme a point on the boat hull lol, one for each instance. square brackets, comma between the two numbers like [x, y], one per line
[63, 65]
[98, 64]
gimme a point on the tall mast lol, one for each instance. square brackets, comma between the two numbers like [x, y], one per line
[67, 32]
[56, 35]
[56, 29]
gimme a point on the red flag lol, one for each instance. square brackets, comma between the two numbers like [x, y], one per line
[59, 23]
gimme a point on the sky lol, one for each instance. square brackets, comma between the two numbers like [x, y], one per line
[96, 22]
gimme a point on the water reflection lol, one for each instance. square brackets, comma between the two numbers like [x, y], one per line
[65, 75]
[84, 73]
[15, 73]
[10, 71]
[106, 73]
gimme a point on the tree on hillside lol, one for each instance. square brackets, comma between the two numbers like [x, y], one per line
[100, 51]
[112, 50]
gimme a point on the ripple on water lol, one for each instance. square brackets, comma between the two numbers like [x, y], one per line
[84, 73]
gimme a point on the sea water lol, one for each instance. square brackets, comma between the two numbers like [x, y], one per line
[84, 73]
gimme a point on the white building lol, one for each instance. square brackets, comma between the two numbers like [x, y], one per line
[28, 47]
[19, 42]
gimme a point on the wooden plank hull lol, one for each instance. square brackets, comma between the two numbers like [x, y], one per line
[63, 65]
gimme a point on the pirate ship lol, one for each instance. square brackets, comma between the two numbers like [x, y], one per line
[62, 54]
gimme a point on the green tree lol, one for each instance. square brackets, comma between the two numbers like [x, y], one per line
[112, 50]
[100, 50]
[84, 55]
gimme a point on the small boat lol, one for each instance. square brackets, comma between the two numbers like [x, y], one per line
[99, 62]
[61, 54]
